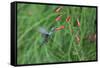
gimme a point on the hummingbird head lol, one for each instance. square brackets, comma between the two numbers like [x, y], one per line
[52, 30]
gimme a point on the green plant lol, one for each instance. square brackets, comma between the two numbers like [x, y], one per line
[66, 45]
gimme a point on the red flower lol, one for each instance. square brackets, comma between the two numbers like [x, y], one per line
[59, 28]
[78, 23]
[58, 9]
[58, 18]
[62, 27]
[68, 19]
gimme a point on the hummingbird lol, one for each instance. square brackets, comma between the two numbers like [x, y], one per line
[46, 34]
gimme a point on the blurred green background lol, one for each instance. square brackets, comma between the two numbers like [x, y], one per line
[63, 46]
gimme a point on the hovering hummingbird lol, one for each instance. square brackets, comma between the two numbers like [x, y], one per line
[47, 34]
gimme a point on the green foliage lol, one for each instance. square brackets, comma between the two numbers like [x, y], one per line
[63, 45]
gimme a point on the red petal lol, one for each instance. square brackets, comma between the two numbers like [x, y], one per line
[68, 19]
[58, 9]
[59, 28]
[62, 27]
[78, 23]
[58, 18]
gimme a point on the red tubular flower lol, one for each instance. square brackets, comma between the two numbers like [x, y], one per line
[59, 28]
[58, 18]
[62, 27]
[58, 9]
[68, 19]
[78, 23]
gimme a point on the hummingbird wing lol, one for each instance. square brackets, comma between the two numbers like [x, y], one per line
[43, 30]
[44, 34]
